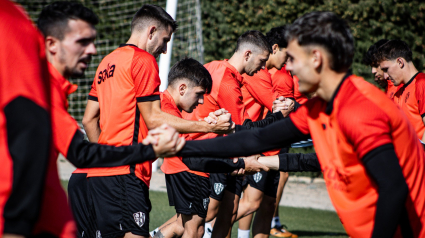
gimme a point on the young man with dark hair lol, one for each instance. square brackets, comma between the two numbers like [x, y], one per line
[188, 191]
[371, 158]
[69, 35]
[381, 79]
[126, 92]
[251, 54]
[395, 59]
[259, 93]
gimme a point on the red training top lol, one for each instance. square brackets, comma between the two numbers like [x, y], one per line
[359, 119]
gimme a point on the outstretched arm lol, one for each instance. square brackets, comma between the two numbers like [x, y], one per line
[246, 143]
[289, 162]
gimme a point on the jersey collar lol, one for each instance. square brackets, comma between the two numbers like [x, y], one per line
[410, 80]
[330, 106]
[122, 45]
[234, 70]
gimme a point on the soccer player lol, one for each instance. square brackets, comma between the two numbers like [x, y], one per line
[259, 93]
[251, 54]
[395, 59]
[69, 33]
[188, 191]
[123, 104]
[32, 200]
[371, 158]
[380, 78]
[25, 141]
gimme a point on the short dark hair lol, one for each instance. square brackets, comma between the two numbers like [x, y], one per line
[148, 13]
[192, 70]
[53, 19]
[255, 38]
[327, 30]
[369, 57]
[392, 50]
[277, 36]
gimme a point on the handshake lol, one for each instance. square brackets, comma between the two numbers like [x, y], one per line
[165, 139]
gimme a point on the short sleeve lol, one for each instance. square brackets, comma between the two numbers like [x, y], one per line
[420, 94]
[364, 125]
[93, 92]
[144, 71]
[260, 87]
[299, 118]
[230, 98]
[283, 84]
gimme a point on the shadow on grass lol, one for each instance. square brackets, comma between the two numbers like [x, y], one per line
[318, 233]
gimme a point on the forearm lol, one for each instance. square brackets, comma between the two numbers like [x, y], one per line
[392, 189]
[92, 130]
[84, 154]
[269, 119]
[181, 125]
[291, 162]
[245, 143]
[29, 144]
[212, 165]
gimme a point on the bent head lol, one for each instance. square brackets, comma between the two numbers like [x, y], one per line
[370, 59]
[188, 81]
[276, 39]
[393, 58]
[155, 26]
[318, 41]
[254, 50]
[69, 31]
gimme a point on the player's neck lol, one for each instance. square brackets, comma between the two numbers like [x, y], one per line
[329, 82]
[269, 63]
[176, 96]
[138, 41]
[409, 72]
[58, 66]
[237, 61]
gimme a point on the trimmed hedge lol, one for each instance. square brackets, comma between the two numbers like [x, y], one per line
[370, 21]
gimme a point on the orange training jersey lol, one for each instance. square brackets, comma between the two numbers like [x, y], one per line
[411, 98]
[299, 97]
[225, 93]
[125, 77]
[357, 120]
[282, 81]
[174, 165]
[258, 94]
[391, 89]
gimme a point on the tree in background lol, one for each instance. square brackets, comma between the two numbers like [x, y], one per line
[370, 21]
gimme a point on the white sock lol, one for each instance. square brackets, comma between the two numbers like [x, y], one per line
[152, 233]
[276, 222]
[208, 230]
[243, 233]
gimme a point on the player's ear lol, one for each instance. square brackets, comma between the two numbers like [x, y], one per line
[400, 62]
[151, 31]
[275, 48]
[182, 89]
[52, 44]
[317, 58]
[247, 54]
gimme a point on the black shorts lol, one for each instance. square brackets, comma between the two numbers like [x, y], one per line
[188, 193]
[221, 181]
[80, 204]
[121, 204]
[266, 182]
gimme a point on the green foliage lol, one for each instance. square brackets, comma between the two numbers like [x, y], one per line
[370, 21]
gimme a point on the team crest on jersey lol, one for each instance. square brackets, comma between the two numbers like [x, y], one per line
[139, 218]
[218, 188]
[106, 73]
[407, 97]
[206, 202]
[98, 235]
[257, 177]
